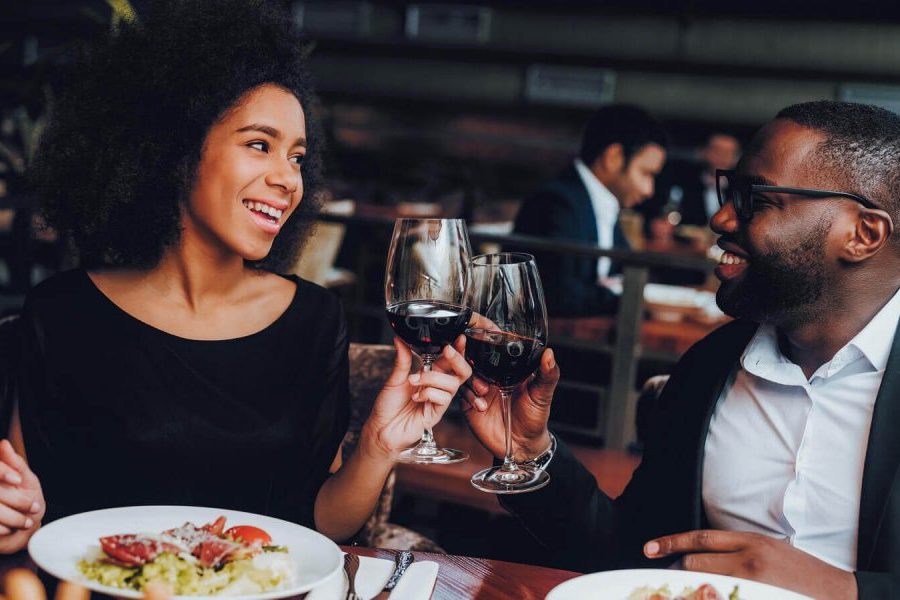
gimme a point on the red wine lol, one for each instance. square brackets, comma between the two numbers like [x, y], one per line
[504, 359]
[428, 326]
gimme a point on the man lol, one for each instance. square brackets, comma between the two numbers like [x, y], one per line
[622, 151]
[776, 457]
[689, 187]
[686, 195]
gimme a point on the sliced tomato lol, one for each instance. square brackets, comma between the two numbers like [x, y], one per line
[132, 550]
[249, 535]
[216, 551]
[216, 527]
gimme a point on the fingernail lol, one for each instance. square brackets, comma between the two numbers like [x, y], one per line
[35, 507]
[651, 549]
[13, 478]
[415, 396]
[414, 379]
[552, 362]
[450, 350]
[480, 404]
[28, 523]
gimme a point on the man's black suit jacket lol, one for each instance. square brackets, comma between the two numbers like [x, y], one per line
[588, 531]
[562, 210]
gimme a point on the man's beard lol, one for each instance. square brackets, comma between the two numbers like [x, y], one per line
[782, 286]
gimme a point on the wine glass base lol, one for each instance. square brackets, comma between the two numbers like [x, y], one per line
[432, 456]
[496, 480]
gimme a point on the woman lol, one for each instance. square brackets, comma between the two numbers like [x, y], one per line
[178, 369]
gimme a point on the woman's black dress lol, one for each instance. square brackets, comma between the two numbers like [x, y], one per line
[118, 413]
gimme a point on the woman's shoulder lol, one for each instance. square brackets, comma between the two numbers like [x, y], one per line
[65, 301]
[311, 294]
[316, 311]
[59, 288]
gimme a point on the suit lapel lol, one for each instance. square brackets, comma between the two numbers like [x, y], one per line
[585, 209]
[882, 458]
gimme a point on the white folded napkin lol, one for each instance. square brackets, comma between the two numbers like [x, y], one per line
[416, 584]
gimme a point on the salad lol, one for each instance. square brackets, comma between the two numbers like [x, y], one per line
[704, 592]
[194, 561]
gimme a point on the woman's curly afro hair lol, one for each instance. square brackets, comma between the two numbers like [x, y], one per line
[124, 142]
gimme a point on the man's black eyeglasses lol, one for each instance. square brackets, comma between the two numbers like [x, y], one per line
[740, 192]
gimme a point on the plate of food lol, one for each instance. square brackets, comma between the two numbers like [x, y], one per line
[666, 584]
[198, 552]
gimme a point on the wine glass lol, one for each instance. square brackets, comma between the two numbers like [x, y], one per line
[504, 347]
[425, 291]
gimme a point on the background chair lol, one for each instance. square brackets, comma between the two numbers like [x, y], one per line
[316, 262]
[370, 365]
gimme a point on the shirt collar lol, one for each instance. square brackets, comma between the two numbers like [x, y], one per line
[600, 195]
[762, 356]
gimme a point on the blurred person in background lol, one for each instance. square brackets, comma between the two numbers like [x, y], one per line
[622, 151]
[677, 216]
[686, 190]
[775, 455]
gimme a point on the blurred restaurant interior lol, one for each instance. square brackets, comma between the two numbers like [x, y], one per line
[461, 109]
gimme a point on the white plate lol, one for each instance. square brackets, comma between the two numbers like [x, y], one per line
[618, 585]
[59, 546]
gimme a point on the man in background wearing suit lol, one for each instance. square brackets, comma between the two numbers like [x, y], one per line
[622, 151]
[688, 187]
[776, 456]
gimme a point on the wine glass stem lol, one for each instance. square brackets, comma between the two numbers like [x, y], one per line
[506, 404]
[427, 435]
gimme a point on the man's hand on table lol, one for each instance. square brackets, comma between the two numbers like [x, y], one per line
[757, 557]
[21, 501]
[530, 411]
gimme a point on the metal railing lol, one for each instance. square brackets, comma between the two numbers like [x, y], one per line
[620, 395]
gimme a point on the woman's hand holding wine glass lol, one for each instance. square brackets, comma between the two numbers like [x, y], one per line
[396, 423]
[426, 289]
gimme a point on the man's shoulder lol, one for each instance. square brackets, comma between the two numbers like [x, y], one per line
[565, 193]
[567, 186]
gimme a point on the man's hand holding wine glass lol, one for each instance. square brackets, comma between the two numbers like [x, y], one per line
[395, 423]
[530, 411]
[505, 345]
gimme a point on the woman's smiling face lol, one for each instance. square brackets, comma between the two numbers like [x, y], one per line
[249, 178]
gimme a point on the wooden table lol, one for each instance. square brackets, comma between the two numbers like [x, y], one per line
[466, 578]
[674, 337]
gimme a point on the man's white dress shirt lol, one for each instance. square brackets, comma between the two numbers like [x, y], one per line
[785, 455]
[606, 213]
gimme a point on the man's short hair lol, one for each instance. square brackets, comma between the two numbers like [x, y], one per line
[861, 149]
[630, 126]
